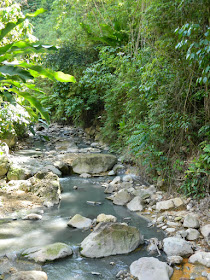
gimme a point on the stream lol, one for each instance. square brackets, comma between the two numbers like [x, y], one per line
[19, 234]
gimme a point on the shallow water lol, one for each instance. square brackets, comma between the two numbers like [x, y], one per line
[20, 234]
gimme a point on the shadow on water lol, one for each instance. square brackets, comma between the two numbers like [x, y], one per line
[53, 228]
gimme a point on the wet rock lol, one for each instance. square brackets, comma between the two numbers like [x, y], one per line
[93, 163]
[174, 246]
[192, 234]
[205, 230]
[63, 167]
[135, 204]
[111, 239]
[48, 253]
[164, 205]
[191, 221]
[29, 275]
[33, 216]
[150, 269]
[174, 260]
[79, 221]
[53, 169]
[201, 257]
[122, 197]
[102, 218]
[85, 175]
[46, 186]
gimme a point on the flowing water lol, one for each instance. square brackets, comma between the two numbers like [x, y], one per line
[19, 234]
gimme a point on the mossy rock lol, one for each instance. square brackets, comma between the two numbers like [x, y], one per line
[48, 253]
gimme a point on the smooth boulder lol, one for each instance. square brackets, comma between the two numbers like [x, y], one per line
[93, 163]
[48, 253]
[174, 246]
[201, 257]
[29, 275]
[150, 269]
[111, 239]
[80, 222]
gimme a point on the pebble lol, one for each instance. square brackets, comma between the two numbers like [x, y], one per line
[170, 230]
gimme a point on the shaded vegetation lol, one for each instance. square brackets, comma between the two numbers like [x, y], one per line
[142, 71]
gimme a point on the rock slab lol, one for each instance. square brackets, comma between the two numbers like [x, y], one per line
[111, 239]
[150, 269]
[48, 253]
[93, 163]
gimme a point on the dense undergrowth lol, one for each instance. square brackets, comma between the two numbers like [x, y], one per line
[142, 70]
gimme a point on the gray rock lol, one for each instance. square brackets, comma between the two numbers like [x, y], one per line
[164, 205]
[200, 257]
[174, 246]
[122, 197]
[33, 216]
[191, 221]
[111, 188]
[135, 204]
[93, 163]
[111, 239]
[143, 194]
[48, 253]
[205, 230]
[116, 180]
[111, 173]
[63, 167]
[102, 218]
[46, 186]
[85, 175]
[178, 202]
[128, 178]
[4, 163]
[16, 172]
[29, 275]
[79, 221]
[53, 169]
[174, 260]
[192, 234]
[150, 269]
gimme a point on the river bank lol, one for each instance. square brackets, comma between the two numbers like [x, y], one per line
[70, 151]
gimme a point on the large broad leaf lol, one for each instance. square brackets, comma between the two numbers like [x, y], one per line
[33, 101]
[46, 73]
[10, 70]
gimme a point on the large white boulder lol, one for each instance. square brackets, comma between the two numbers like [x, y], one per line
[174, 246]
[151, 269]
[111, 239]
[93, 163]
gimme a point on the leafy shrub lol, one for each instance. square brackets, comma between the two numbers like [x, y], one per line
[197, 179]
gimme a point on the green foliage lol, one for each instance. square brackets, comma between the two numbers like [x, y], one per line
[142, 69]
[15, 73]
[197, 176]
